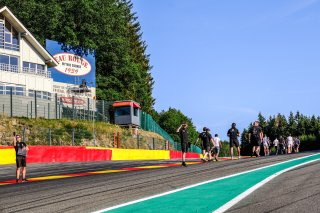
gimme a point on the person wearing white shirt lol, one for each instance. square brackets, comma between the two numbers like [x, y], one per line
[289, 143]
[276, 143]
[216, 146]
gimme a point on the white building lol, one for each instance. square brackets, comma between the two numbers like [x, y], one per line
[23, 61]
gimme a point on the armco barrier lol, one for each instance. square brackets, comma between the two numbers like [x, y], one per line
[7, 155]
[178, 155]
[47, 154]
[139, 154]
[51, 154]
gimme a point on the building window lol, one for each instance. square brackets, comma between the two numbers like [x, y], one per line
[9, 63]
[9, 37]
[121, 111]
[33, 68]
[16, 90]
[31, 93]
[135, 111]
[40, 94]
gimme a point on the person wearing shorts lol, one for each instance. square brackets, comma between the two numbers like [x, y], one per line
[266, 145]
[205, 138]
[276, 145]
[21, 159]
[289, 143]
[233, 134]
[296, 144]
[184, 138]
[216, 146]
[255, 138]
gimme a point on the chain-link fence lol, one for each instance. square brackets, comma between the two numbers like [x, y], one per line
[83, 137]
[37, 104]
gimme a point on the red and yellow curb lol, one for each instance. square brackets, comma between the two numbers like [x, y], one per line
[83, 174]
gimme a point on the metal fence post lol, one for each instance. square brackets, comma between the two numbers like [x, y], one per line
[56, 104]
[138, 138]
[72, 136]
[88, 101]
[49, 136]
[119, 140]
[103, 113]
[153, 145]
[35, 104]
[11, 107]
[94, 137]
[59, 111]
[24, 134]
[31, 109]
[73, 108]
[48, 110]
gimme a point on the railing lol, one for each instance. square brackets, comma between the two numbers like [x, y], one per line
[15, 47]
[17, 69]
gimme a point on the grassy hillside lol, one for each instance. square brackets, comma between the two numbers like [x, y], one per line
[61, 132]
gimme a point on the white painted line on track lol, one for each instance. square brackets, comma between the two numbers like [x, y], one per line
[240, 197]
[199, 184]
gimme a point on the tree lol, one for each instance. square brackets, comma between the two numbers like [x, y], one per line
[170, 120]
[107, 28]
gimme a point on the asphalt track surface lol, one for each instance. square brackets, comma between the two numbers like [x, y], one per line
[294, 191]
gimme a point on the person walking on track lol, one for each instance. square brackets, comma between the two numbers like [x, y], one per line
[205, 137]
[217, 146]
[21, 159]
[184, 137]
[276, 145]
[255, 138]
[233, 134]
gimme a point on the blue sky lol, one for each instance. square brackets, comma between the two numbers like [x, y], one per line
[224, 61]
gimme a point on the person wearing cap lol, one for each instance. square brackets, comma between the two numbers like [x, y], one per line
[205, 138]
[255, 138]
[21, 160]
[184, 137]
[233, 134]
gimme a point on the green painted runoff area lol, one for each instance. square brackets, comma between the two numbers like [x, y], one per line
[210, 196]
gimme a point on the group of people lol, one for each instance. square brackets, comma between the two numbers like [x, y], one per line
[282, 146]
[211, 145]
[21, 150]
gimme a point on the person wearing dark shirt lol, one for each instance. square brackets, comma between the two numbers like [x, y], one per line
[184, 137]
[205, 138]
[21, 160]
[255, 138]
[233, 134]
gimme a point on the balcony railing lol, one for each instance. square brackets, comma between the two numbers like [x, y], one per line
[24, 70]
